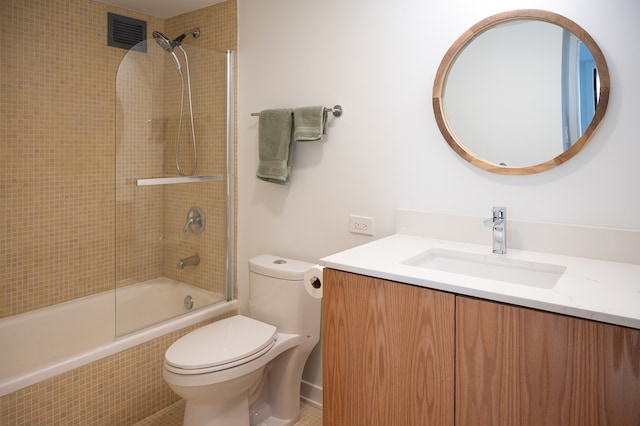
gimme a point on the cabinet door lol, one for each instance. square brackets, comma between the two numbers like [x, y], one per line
[517, 366]
[387, 353]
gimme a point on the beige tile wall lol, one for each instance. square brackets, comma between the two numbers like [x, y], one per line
[65, 231]
[64, 227]
[207, 63]
[56, 212]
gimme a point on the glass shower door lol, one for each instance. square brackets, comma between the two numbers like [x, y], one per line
[173, 245]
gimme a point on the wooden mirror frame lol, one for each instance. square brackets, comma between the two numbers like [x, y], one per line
[479, 28]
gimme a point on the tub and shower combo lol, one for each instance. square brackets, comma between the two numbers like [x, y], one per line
[173, 260]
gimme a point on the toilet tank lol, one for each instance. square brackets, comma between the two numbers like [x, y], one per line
[278, 297]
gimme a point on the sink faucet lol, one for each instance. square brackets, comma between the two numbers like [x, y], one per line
[499, 224]
[191, 260]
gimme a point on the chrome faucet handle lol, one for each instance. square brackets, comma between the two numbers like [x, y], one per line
[499, 213]
[195, 221]
[192, 221]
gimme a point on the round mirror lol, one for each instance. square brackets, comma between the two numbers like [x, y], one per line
[521, 92]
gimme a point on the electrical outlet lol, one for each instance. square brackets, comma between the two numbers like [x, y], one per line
[361, 225]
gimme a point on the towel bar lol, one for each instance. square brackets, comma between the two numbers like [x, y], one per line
[336, 111]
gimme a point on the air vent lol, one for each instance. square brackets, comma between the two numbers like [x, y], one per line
[127, 33]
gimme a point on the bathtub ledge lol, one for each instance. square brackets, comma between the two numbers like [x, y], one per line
[120, 344]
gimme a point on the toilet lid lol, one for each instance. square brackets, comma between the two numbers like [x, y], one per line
[220, 345]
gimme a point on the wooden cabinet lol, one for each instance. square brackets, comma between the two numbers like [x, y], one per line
[387, 353]
[403, 355]
[518, 366]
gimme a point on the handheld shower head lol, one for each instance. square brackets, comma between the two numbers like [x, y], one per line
[163, 41]
[176, 61]
[168, 45]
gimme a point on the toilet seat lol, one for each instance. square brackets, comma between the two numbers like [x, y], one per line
[220, 345]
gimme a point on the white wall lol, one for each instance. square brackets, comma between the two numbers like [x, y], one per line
[378, 58]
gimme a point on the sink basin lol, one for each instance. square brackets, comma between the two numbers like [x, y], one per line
[489, 266]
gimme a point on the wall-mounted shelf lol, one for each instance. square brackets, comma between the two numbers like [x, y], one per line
[177, 179]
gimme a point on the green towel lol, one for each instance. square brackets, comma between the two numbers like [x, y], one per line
[310, 123]
[275, 145]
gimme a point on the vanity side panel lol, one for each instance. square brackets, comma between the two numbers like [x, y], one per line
[388, 351]
[518, 366]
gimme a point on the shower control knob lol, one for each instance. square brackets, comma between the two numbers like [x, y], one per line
[195, 220]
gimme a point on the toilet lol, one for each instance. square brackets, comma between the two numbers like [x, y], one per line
[246, 370]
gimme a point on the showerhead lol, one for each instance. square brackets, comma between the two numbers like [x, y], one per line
[163, 41]
[169, 45]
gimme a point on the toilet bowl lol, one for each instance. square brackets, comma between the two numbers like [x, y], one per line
[246, 370]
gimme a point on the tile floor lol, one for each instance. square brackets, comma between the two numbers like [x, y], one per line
[310, 415]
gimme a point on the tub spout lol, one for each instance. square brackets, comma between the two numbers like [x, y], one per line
[189, 261]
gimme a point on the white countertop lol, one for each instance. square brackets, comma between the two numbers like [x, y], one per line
[593, 289]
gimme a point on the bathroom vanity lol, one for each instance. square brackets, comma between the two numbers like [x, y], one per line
[431, 327]
[406, 341]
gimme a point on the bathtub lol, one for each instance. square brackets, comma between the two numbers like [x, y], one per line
[46, 342]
